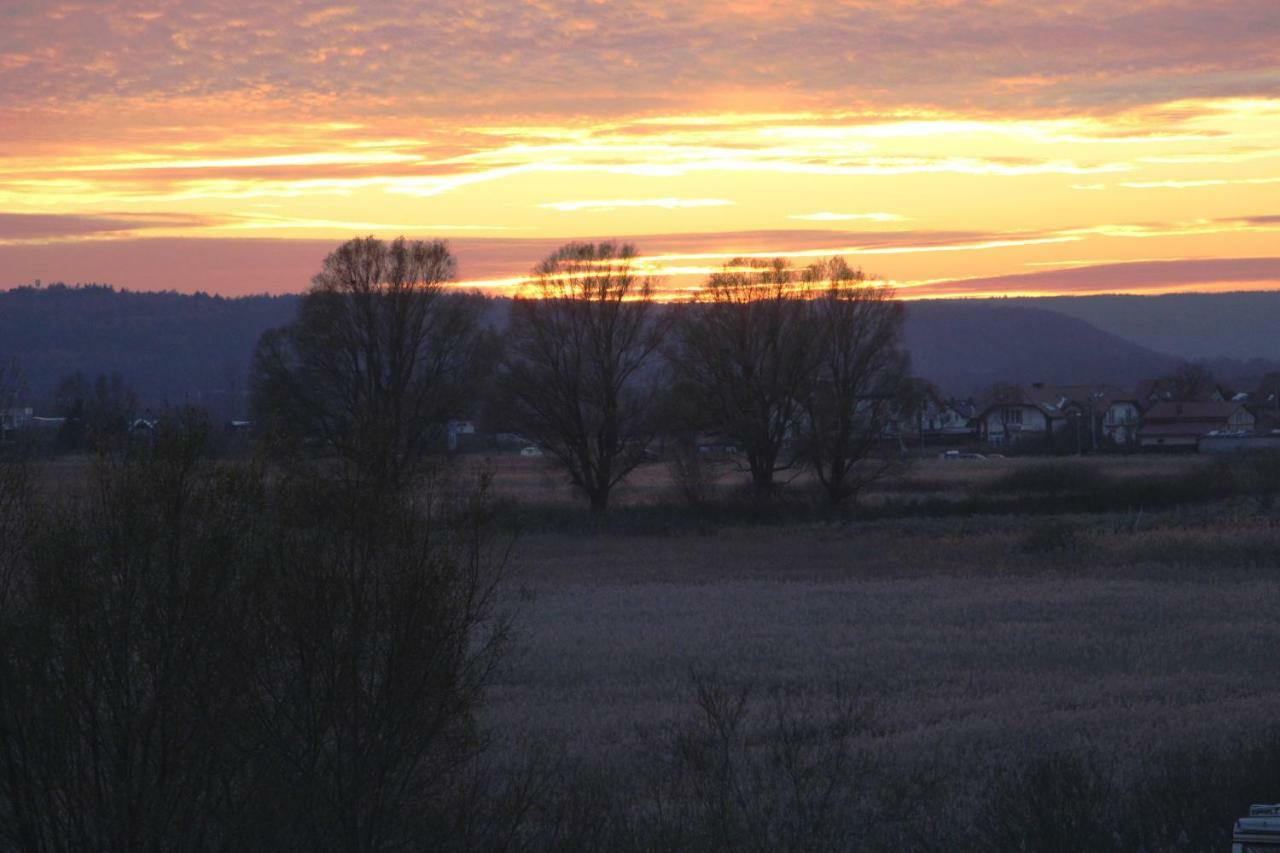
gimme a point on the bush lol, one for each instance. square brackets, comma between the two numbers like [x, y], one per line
[694, 473]
[200, 656]
[1054, 477]
[1058, 802]
[1185, 797]
[1051, 537]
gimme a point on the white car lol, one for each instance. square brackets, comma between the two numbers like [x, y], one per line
[957, 454]
[1257, 832]
[531, 451]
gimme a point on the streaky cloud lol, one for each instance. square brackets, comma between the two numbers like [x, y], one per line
[1150, 276]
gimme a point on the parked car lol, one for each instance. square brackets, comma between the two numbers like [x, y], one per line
[531, 451]
[959, 454]
[1257, 832]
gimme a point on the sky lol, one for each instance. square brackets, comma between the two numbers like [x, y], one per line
[952, 147]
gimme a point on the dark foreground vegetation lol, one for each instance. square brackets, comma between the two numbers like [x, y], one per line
[199, 656]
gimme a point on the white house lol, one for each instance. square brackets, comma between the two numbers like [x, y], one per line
[1022, 412]
[1120, 423]
[455, 428]
[1010, 421]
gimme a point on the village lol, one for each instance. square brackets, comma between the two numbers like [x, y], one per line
[1154, 416]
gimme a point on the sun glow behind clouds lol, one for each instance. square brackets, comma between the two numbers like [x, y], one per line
[925, 195]
[614, 204]
[828, 216]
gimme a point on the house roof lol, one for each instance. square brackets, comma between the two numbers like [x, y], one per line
[1053, 400]
[1049, 411]
[1179, 428]
[1148, 390]
[1197, 410]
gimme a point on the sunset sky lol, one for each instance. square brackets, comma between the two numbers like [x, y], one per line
[955, 148]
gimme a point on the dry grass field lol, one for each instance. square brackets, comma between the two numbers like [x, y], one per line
[972, 640]
[957, 631]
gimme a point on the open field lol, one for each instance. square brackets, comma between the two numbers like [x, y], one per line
[534, 481]
[958, 631]
[975, 641]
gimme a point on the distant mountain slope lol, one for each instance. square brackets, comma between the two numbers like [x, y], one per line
[177, 348]
[965, 346]
[1188, 325]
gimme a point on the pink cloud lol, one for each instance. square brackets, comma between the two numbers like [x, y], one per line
[1132, 277]
[578, 56]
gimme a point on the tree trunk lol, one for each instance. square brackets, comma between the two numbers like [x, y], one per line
[762, 481]
[599, 500]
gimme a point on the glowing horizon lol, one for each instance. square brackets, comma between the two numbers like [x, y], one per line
[199, 146]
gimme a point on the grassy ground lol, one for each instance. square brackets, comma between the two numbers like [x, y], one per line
[958, 631]
[974, 639]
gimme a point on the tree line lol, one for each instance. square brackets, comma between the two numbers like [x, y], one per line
[793, 367]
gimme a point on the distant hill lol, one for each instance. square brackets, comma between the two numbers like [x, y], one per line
[172, 348]
[176, 348]
[965, 346]
[1188, 325]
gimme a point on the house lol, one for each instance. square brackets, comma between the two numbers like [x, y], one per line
[1174, 425]
[1152, 391]
[455, 428]
[14, 419]
[1120, 420]
[930, 419]
[1040, 410]
[945, 420]
[1087, 408]
[1017, 414]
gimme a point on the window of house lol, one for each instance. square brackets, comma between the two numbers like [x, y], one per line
[1013, 416]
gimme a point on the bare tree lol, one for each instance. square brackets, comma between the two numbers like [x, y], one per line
[98, 414]
[582, 333]
[18, 493]
[856, 328]
[1192, 381]
[122, 634]
[1268, 394]
[379, 357]
[201, 657]
[914, 400]
[378, 626]
[11, 384]
[745, 349]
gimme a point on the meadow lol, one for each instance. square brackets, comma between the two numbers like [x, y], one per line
[973, 646]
